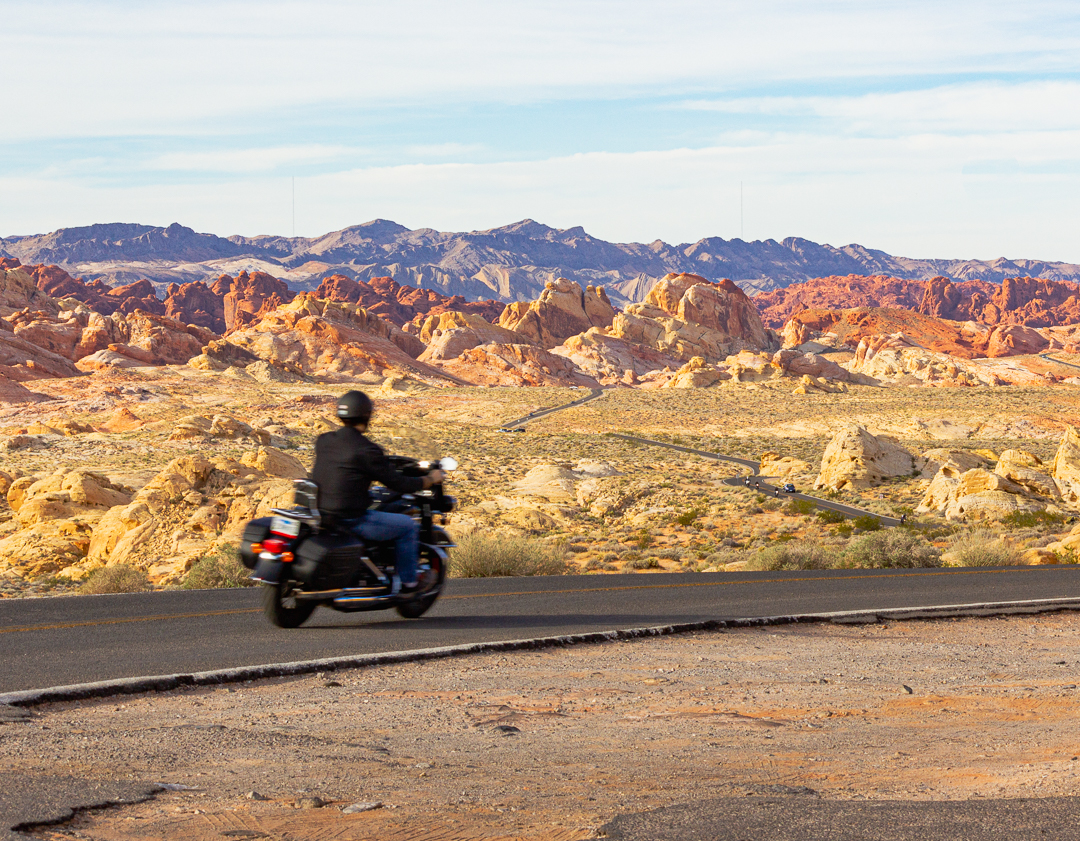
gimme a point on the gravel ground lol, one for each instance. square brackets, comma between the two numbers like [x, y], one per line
[553, 744]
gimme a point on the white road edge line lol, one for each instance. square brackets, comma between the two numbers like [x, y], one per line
[162, 683]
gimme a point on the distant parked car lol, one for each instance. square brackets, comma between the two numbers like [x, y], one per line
[789, 488]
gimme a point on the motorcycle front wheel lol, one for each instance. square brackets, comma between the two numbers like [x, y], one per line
[282, 607]
[418, 606]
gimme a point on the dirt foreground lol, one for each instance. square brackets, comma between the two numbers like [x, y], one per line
[553, 744]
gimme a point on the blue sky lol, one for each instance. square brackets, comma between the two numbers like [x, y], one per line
[921, 128]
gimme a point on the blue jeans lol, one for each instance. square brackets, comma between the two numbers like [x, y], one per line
[402, 529]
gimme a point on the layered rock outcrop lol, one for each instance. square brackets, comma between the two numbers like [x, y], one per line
[778, 306]
[449, 334]
[399, 304]
[515, 365]
[333, 341]
[1026, 301]
[613, 361]
[563, 310]
[854, 458]
[685, 316]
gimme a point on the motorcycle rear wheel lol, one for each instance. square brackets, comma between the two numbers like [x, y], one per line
[282, 608]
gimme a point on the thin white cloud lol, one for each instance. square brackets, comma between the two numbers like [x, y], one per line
[123, 68]
[249, 160]
[960, 108]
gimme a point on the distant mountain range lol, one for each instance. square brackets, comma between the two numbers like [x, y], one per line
[510, 263]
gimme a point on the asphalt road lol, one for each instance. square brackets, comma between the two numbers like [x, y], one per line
[80, 639]
[760, 484]
[515, 425]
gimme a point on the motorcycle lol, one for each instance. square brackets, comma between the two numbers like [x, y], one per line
[303, 562]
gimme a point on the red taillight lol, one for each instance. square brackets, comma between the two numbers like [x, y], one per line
[273, 545]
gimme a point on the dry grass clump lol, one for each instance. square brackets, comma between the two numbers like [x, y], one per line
[982, 548]
[218, 570]
[488, 556]
[890, 549]
[886, 549]
[119, 578]
[792, 555]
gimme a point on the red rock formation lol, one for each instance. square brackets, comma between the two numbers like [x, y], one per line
[399, 304]
[248, 297]
[1026, 301]
[196, 303]
[834, 292]
[515, 365]
[139, 295]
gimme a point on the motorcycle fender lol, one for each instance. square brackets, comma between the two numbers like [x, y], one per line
[267, 571]
[439, 552]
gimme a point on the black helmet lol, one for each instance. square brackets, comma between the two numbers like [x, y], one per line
[354, 407]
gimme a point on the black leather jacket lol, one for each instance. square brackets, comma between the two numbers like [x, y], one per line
[346, 463]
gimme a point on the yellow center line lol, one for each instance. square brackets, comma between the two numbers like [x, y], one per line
[164, 617]
[63, 625]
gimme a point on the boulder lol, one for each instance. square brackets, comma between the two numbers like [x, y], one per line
[855, 458]
[1066, 467]
[813, 385]
[800, 364]
[776, 466]
[697, 373]
[1023, 468]
[958, 461]
[273, 462]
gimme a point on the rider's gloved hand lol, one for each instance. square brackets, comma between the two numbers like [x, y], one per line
[435, 477]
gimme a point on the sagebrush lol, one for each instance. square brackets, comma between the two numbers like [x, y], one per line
[494, 555]
[118, 578]
[218, 570]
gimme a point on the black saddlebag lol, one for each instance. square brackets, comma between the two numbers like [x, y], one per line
[254, 532]
[328, 561]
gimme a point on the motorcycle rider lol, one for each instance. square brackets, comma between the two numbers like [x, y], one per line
[346, 463]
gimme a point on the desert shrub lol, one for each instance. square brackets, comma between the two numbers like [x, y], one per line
[491, 555]
[866, 522]
[578, 548]
[981, 548]
[688, 517]
[844, 529]
[119, 578]
[771, 505]
[890, 548]
[596, 563]
[219, 570]
[800, 507]
[831, 517]
[645, 562]
[1033, 519]
[643, 538]
[792, 556]
[670, 554]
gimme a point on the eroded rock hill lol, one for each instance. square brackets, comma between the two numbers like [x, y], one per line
[1023, 301]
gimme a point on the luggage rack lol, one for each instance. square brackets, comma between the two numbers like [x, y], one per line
[305, 504]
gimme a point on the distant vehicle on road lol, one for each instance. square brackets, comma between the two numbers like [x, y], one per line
[789, 488]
